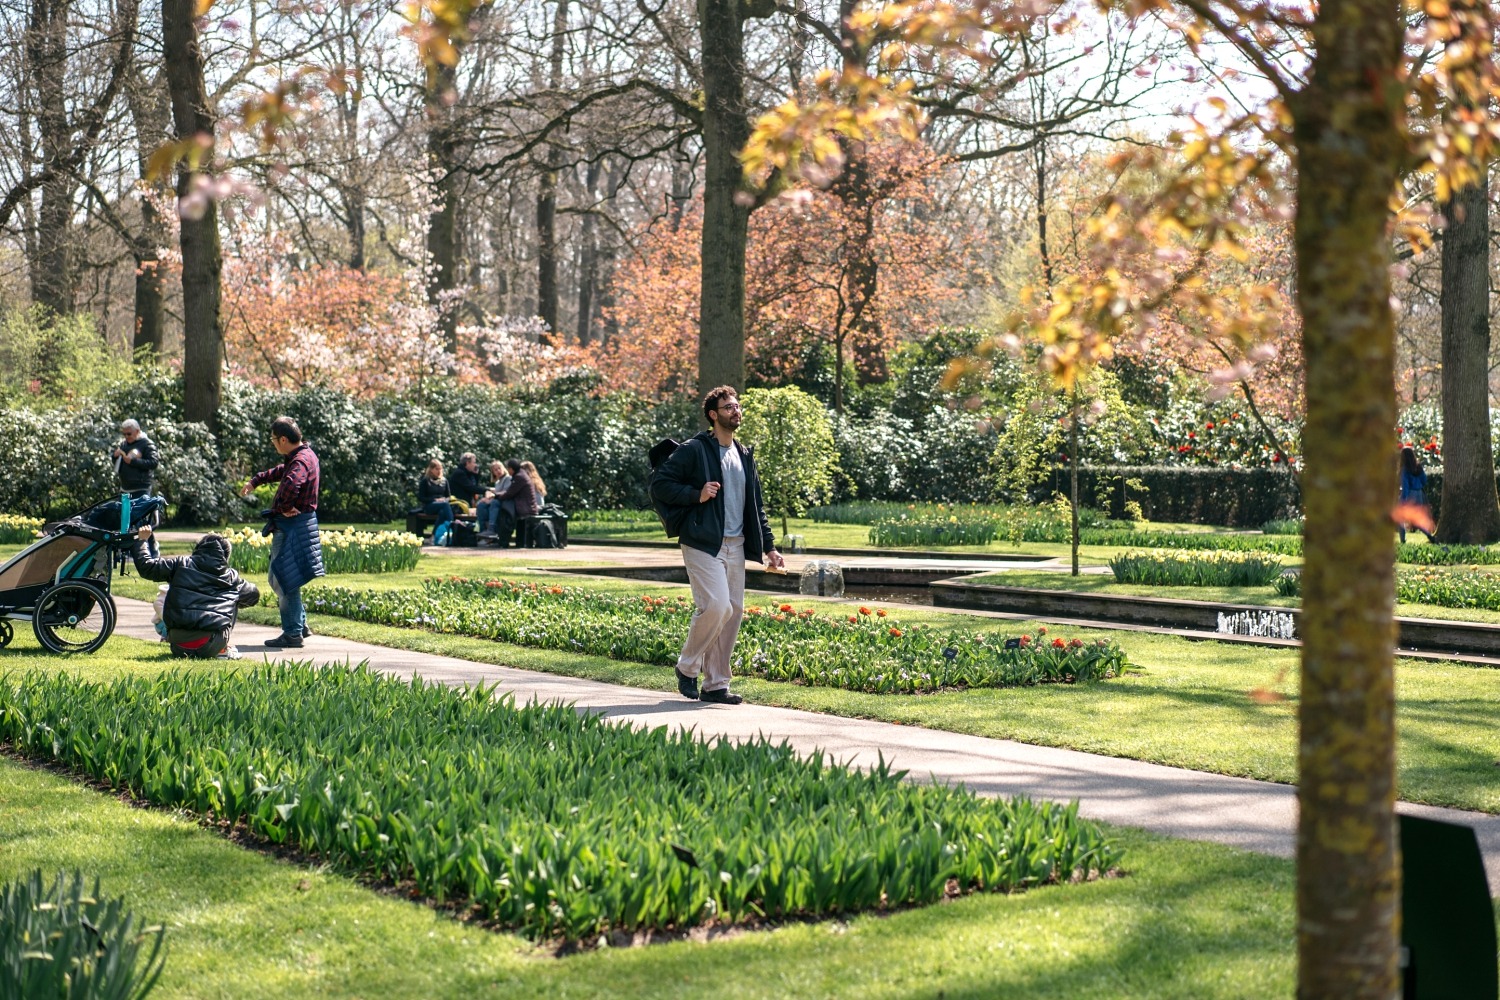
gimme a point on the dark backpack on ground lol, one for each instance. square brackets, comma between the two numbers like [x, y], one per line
[543, 535]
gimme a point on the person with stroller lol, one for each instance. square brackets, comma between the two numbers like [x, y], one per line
[204, 595]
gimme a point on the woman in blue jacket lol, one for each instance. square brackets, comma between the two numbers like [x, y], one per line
[1413, 487]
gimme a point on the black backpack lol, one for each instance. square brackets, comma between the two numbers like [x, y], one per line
[543, 535]
[671, 516]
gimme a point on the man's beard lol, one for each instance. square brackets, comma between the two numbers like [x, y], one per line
[728, 421]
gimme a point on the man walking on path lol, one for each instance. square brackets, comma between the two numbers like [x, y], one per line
[296, 549]
[715, 474]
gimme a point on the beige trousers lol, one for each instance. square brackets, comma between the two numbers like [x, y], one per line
[718, 584]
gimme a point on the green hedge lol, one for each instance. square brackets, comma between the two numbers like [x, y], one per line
[1233, 498]
[543, 819]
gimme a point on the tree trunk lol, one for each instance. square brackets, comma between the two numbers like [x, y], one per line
[353, 196]
[546, 249]
[1073, 474]
[442, 146]
[867, 336]
[1350, 145]
[726, 215]
[1470, 511]
[546, 197]
[862, 271]
[682, 186]
[588, 258]
[202, 261]
[151, 113]
[54, 280]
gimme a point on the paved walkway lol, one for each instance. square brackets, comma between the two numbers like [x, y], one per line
[1252, 815]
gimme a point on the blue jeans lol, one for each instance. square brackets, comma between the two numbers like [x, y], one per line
[486, 513]
[442, 508]
[293, 614]
[490, 510]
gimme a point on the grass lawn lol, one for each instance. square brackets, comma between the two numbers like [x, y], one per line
[857, 536]
[1189, 706]
[1190, 920]
[1104, 583]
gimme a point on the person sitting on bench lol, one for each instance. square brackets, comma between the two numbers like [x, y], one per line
[538, 485]
[432, 497]
[487, 514]
[204, 595]
[465, 482]
[522, 503]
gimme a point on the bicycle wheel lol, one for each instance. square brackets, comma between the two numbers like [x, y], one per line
[73, 617]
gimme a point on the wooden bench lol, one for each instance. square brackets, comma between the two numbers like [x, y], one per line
[529, 531]
[418, 522]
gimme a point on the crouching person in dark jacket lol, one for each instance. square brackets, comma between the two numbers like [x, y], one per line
[204, 595]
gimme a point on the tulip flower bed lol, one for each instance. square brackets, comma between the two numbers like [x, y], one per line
[1282, 545]
[867, 651]
[344, 551]
[1206, 569]
[614, 518]
[1446, 555]
[1449, 588]
[17, 528]
[541, 819]
[933, 531]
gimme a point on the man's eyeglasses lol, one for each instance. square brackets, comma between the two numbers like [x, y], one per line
[728, 406]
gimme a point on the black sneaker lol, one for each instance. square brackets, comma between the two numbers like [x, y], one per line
[306, 631]
[285, 642]
[721, 697]
[687, 685]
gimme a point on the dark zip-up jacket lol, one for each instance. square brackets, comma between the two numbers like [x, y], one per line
[521, 492]
[204, 593]
[678, 482]
[429, 489]
[466, 485]
[136, 474]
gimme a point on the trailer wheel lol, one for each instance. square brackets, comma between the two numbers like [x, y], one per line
[74, 617]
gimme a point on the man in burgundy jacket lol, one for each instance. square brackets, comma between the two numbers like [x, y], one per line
[296, 549]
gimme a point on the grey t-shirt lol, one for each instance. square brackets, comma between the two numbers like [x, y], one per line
[732, 489]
